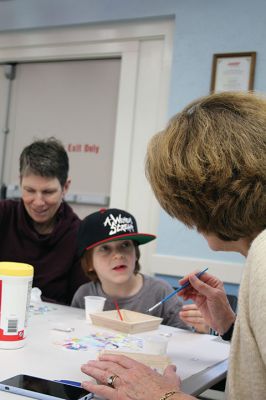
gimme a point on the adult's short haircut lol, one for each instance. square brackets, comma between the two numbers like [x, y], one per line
[208, 167]
[47, 158]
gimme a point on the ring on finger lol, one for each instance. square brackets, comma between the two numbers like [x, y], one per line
[111, 380]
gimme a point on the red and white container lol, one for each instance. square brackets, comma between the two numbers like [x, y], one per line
[15, 290]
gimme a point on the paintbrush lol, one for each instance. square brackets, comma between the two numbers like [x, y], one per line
[118, 310]
[175, 291]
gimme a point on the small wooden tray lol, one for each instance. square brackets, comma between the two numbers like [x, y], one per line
[133, 322]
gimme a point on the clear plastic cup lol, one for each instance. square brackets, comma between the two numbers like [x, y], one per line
[93, 304]
[155, 345]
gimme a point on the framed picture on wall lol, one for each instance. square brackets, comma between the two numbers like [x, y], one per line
[233, 72]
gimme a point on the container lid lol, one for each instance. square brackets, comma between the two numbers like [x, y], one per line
[15, 269]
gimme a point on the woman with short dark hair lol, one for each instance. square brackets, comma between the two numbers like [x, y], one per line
[41, 228]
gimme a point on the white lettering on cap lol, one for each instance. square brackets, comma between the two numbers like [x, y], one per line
[119, 224]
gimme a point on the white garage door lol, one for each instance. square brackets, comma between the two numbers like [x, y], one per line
[76, 102]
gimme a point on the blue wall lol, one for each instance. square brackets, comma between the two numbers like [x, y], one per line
[202, 28]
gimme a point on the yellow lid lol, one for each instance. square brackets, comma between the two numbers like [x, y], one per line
[15, 269]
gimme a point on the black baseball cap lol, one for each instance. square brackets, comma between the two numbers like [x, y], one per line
[108, 225]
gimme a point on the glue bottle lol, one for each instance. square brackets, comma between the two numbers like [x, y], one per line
[15, 290]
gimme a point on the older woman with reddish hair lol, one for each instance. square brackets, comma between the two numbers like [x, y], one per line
[208, 170]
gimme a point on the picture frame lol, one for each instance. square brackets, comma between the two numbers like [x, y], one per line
[233, 72]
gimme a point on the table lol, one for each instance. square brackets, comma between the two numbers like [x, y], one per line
[201, 359]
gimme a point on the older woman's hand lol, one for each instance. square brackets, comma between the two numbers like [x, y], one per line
[209, 295]
[133, 380]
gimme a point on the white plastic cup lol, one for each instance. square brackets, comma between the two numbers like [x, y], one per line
[155, 345]
[93, 304]
[15, 291]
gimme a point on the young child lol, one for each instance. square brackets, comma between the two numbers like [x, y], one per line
[108, 243]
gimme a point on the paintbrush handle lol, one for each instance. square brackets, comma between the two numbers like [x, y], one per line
[175, 292]
[186, 284]
[118, 310]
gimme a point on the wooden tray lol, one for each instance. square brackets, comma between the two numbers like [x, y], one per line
[158, 362]
[133, 322]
